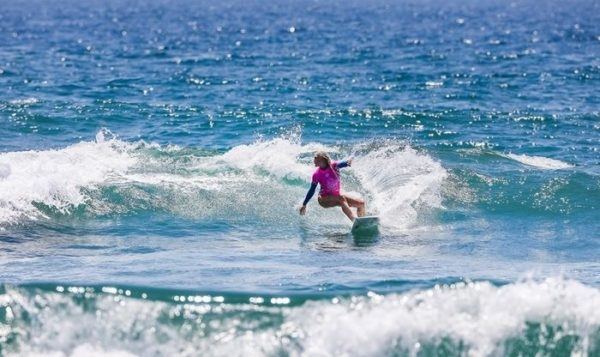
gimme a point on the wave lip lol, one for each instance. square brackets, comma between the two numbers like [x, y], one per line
[540, 162]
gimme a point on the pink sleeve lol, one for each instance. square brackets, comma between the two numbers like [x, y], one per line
[315, 178]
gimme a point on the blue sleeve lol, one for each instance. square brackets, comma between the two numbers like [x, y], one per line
[342, 164]
[310, 193]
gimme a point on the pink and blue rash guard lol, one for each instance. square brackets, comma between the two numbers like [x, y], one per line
[328, 179]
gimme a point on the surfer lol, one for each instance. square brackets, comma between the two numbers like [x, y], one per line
[328, 177]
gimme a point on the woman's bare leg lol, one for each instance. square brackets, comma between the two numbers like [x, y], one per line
[347, 211]
[332, 201]
[359, 203]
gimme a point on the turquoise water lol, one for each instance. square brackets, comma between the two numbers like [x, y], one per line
[154, 155]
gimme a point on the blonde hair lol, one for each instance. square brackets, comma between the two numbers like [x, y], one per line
[325, 156]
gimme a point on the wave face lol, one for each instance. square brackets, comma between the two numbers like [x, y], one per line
[547, 317]
[113, 177]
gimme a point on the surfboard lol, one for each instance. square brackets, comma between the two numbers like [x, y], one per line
[365, 223]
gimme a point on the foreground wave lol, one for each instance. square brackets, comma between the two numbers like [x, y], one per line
[548, 317]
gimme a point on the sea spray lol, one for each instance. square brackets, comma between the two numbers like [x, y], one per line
[400, 181]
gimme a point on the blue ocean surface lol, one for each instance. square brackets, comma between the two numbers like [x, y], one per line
[154, 154]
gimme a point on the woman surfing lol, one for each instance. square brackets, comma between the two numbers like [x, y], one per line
[328, 177]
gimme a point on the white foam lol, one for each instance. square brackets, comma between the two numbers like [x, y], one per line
[211, 183]
[540, 162]
[56, 177]
[480, 316]
[4, 171]
[279, 157]
[399, 179]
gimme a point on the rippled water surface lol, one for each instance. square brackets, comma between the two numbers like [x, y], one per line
[153, 156]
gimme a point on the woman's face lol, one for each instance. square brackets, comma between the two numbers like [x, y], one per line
[319, 161]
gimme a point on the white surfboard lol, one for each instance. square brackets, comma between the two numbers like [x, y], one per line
[366, 222]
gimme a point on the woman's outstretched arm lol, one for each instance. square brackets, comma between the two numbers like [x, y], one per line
[309, 194]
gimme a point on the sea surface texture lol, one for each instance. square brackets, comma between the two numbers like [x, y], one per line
[154, 154]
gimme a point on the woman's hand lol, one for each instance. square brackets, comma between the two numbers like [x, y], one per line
[349, 161]
[303, 210]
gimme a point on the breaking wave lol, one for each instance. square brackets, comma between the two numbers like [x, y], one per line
[548, 317]
[265, 180]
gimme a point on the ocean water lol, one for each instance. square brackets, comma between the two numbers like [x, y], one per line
[154, 154]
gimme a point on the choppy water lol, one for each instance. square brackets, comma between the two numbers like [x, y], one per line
[153, 156]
